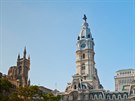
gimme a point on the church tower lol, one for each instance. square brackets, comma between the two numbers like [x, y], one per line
[85, 63]
[25, 68]
[18, 75]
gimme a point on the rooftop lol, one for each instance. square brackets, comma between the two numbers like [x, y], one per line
[125, 70]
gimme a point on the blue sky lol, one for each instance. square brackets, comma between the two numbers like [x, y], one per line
[49, 30]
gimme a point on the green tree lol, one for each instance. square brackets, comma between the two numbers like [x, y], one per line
[6, 89]
[14, 97]
[8, 92]
[28, 93]
[5, 85]
[51, 97]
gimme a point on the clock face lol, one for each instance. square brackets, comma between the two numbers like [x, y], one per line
[83, 45]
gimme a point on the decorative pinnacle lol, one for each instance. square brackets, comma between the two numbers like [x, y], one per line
[19, 56]
[24, 53]
[25, 50]
[84, 18]
[29, 57]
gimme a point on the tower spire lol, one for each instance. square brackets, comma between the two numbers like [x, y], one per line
[18, 56]
[29, 57]
[86, 42]
[24, 53]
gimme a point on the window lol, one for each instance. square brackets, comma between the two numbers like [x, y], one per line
[100, 96]
[108, 97]
[83, 66]
[88, 36]
[83, 56]
[119, 97]
[79, 85]
[83, 69]
[113, 97]
[83, 36]
[95, 97]
[125, 96]
[74, 86]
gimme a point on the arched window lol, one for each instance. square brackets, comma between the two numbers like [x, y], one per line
[95, 97]
[74, 86]
[125, 96]
[84, 87]
[83, 56]
[113, 97]
[119, 97]
[100, 96]
[108, 97]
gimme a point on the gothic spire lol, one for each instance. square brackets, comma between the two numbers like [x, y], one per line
[29, 57]
[24, 53]
[18, 56]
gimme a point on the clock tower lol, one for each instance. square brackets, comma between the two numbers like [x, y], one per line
[85, 64]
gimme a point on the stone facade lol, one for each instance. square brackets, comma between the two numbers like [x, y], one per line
[95, 95]
[132, 91]
[18, 75]
[85, 85]
[123, 79]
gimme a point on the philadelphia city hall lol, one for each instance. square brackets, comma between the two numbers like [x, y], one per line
[85, 84]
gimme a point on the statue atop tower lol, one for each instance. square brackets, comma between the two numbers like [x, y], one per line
[84, 18]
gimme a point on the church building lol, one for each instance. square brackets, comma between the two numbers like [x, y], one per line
[18, 75]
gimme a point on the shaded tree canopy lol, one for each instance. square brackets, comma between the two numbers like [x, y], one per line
[8, 92]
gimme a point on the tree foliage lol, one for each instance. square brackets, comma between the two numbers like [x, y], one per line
[5, 85]
[27, 93]
[5, 89]
[51, 97]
